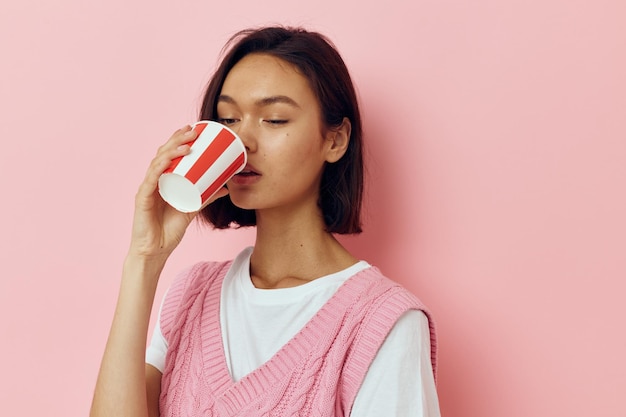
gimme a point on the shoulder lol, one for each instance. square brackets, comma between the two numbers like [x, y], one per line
[392, 306]
[187, 284]
[194, 277]
[197, 275]
[383, 292]
[387, 310]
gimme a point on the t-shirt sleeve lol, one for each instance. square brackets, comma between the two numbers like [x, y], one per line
[157, 348]
[400, 380]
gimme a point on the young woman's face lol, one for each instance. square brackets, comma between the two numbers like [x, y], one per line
[273, 109]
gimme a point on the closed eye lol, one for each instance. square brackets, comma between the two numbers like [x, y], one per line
[276, 121]
[226, 121]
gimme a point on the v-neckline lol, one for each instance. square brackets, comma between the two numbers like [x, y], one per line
[281, 363]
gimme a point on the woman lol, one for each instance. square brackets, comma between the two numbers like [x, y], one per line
[295, 325]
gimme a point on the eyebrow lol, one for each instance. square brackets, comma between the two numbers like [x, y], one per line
[263, 102]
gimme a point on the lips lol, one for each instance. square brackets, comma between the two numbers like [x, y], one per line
[248, 171]
[247, 177]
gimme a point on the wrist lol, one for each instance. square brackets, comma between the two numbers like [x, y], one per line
[141, 266]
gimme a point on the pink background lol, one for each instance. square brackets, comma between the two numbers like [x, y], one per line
[497, 178]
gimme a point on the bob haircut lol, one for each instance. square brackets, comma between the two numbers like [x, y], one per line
[316, 58]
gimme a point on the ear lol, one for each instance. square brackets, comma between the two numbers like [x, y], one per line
[337, 141]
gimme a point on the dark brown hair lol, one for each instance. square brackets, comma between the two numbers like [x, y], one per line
[341, 189]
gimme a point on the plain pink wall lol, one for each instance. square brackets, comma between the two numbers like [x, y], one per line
[497, 171]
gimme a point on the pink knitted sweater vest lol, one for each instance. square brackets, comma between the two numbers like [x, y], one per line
[317, 373]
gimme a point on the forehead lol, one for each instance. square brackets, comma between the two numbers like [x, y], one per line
[257, 76]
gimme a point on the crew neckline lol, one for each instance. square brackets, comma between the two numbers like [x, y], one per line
[290, 294]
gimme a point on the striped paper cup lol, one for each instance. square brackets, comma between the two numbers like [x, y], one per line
[215, 157]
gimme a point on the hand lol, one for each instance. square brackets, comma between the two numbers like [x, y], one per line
[157, 227]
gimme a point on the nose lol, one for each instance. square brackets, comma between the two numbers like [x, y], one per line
[246, 130]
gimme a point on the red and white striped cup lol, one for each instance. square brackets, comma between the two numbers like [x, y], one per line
[216, 155]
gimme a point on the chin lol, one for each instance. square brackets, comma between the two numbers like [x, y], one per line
[242, 203]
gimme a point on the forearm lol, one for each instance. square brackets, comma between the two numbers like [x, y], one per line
[121, 385]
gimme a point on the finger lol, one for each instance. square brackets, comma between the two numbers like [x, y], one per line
[182, 136]
[176, 147]
[156, 168]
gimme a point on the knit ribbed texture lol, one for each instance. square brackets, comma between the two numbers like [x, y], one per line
[317, 373]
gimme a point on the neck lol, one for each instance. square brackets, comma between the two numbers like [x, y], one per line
[290, 251]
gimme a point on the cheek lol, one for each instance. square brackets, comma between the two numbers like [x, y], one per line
[294, 149]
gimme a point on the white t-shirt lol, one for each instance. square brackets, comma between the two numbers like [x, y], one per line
[256, 323]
